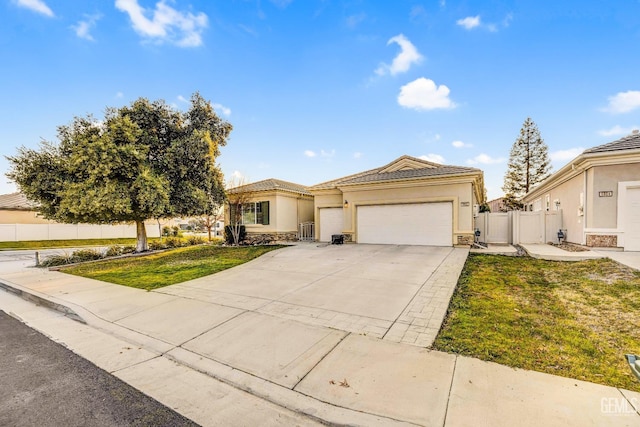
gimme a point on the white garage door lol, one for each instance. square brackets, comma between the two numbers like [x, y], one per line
[408, 224]
[331, 222]
[632, 226]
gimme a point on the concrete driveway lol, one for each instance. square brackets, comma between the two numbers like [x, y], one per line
[399, 293]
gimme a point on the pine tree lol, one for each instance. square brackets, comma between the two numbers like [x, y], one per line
[529, 163]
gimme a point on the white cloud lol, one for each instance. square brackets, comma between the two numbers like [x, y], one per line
[435, 158]
[623, 102]
[617, 130]
[182, 99]
[167, 25]
[224, 110]
[281, 3]
[352, 21]
[327, 153]
[408, 56]
[470, 22]
[357, 155]
[119, 95]
[460, 144]
[83, 28]
[424, 94]
[38, 6]
[565, 155]
[485, 159]
[310, 153]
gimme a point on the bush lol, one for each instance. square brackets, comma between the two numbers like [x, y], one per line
[174, 242]
[114, 250]
[228, 235]
[157, 245]
[82, 255]
[195, 240]
[54, 260]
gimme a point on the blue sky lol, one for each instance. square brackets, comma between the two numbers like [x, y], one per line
[318, 89]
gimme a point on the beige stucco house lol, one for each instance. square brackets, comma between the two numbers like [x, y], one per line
[598, 194]
[408, 201]
[273, 207]
[16, 209]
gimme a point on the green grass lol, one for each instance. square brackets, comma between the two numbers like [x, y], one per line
[51, 244]
[170, 267]
[573, 319]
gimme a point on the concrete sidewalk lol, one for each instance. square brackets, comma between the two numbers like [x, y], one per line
[222, 365]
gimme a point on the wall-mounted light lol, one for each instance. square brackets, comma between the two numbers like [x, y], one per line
[346, 203]
[557, 202]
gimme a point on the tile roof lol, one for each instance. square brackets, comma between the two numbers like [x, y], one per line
[629, 142]
[379, 175]
[270, 185]
[16, 201]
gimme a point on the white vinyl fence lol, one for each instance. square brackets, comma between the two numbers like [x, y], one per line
[519, 227]
[22, 232]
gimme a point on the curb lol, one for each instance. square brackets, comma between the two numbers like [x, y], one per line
[41, 301]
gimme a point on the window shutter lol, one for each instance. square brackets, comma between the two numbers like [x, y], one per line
[265, 212]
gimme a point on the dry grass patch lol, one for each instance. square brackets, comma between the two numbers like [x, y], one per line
[574, 319]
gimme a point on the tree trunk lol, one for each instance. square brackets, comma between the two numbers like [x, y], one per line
[141, 235]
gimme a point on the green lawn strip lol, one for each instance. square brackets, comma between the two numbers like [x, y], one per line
[52, 244]
[170, 267]
[573, 319]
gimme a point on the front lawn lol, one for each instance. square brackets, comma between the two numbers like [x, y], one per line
[574, 319]
[170, 267]
[75, 243]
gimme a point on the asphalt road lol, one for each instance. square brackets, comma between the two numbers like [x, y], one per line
[44, 384]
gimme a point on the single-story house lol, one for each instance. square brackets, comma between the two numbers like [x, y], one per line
[408, 201]
[272, 208]
[21, 221]
[15, 208]
[598, 194]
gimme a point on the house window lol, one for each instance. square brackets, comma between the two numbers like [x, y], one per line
[255, 213]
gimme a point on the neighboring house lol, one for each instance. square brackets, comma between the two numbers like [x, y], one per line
[20, 221]
[409, 201]
[16, 209]
[497, 205]
[273, 209]
[599, 195]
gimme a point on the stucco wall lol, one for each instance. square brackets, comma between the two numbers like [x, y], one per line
[22, 217]
[286, 211]
[568, 194]
[603, 210]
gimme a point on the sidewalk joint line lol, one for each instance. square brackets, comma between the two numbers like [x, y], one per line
[453, 374]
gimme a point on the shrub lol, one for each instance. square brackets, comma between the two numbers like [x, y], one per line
[157, 245]
[54, 260]
[195, 240]
[82, 255]
[173, 242]
[228, 235]
[114, 250]
[128, 249]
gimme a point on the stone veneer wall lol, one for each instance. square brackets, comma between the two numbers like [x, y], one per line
[262, 238]
[465, 239]
[602, 240]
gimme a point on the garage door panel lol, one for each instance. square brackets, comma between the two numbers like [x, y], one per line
[331, 222]
[406, 224]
